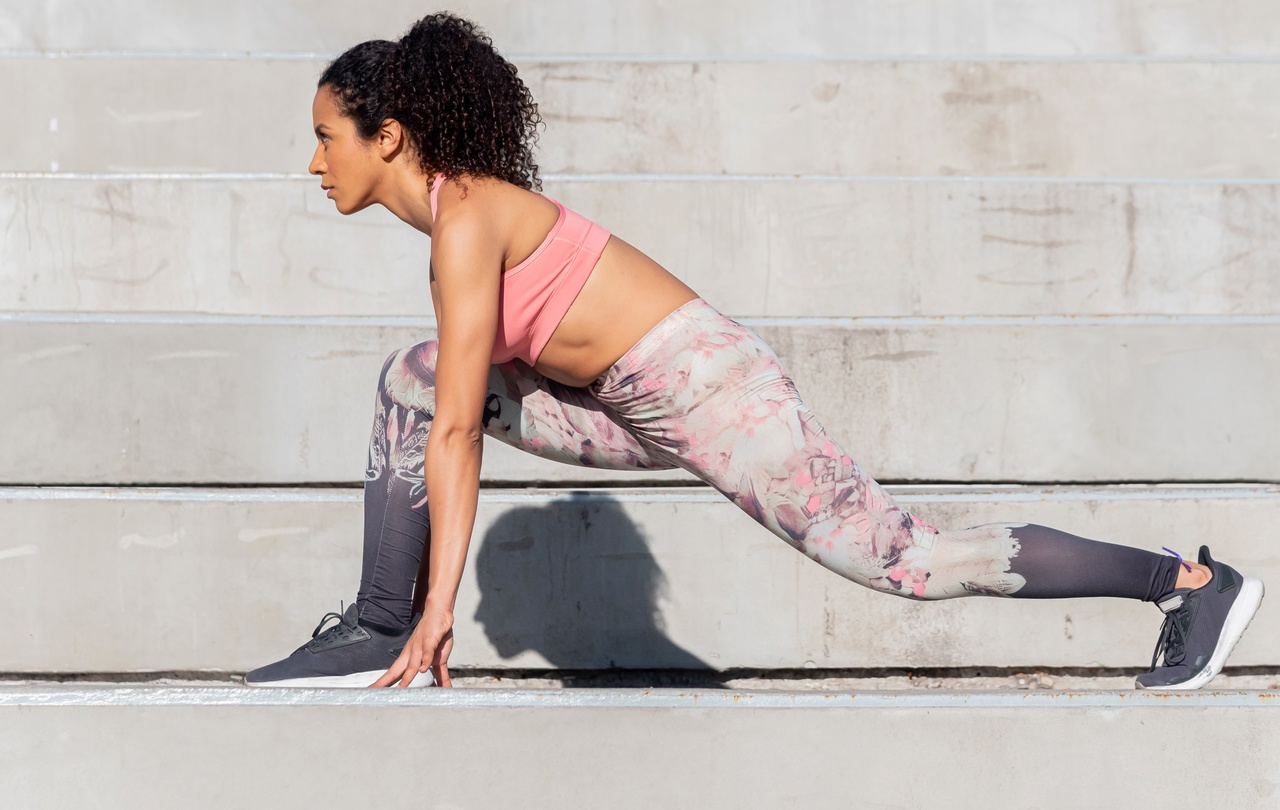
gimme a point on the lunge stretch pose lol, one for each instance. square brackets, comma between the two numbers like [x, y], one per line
[559, 338]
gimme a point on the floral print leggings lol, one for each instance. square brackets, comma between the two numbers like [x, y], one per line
[703, 393]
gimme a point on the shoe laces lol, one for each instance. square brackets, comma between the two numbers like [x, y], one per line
[337, 628]
[336, 616]
[1173, 641]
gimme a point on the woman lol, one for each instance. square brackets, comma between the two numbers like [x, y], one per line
[563, 340]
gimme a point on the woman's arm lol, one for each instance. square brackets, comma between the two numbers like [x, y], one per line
[467, 264]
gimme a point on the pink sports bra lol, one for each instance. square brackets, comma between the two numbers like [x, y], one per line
[538, 291]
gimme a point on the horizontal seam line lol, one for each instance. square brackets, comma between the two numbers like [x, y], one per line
[814, 322]
[588, 698]
[651, 494]
[670, 177]
[673, 58]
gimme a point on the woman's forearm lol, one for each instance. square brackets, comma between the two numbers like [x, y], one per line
[452, 473]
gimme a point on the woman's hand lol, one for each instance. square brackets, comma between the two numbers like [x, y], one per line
[428, 646]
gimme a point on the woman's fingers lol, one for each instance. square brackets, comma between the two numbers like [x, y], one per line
[426, 650]
[441, 674]
[415, 663]
[440, 663]
[403, 669]
[393, 672]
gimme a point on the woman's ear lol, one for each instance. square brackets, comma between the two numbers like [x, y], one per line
[390, 139]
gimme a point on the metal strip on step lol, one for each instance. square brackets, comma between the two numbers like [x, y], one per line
[665, 699]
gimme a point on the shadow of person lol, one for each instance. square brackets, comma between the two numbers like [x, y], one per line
[575, 582]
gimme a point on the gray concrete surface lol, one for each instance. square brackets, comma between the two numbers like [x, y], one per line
[756, 247]
[923, 118]
[450, 750]
[819, 149]
[285, 400]
[1011, 680]
[227, 580]
[813, 28]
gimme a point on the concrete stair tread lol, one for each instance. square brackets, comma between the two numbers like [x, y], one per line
[664, 699]
[813, 28]
[926, 118]
[944, 399]
[820, 247]
[629, 750]
[125, 580]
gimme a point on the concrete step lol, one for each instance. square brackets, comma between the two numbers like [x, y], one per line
[757, 246]
[185, 399]
[1089, 119]
[628, 749]
[815, 28]
[187, 580]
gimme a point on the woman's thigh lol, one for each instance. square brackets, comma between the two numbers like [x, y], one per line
[711, 395]
[523, 408]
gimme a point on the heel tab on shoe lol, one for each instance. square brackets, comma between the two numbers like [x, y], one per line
[1222, 574]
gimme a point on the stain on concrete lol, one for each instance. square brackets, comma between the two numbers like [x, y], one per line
[1130, 229]
[255, 535]
[523, 544]
[1050, 244]
[158, 541]
[51, 352]
[826, 91]
[191, 354]
[898, 357]
[999, 97]
[1052, 211]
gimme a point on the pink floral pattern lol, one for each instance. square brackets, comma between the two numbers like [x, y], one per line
[702, 392]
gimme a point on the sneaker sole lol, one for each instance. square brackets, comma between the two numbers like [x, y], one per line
[353, 681]
[1238, 618]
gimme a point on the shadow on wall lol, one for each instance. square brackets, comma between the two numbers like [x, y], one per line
[575, 582]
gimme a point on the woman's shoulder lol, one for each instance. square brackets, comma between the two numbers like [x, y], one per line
[467, 196]
[490, 208]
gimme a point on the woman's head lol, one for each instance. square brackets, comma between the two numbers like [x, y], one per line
[442, 94]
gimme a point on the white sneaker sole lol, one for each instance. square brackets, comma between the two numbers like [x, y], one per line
[353, 681]
[1233, 628]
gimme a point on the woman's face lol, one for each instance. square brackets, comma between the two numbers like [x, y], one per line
[348, 166]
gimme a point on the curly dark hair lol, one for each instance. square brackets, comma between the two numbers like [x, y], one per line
[462, 106]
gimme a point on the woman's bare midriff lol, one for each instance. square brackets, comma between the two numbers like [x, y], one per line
[625, 296]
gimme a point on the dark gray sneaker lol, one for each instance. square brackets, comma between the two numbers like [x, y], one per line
[1201, 626]
[347, 654]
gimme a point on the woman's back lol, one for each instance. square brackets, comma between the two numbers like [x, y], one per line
[581, 296]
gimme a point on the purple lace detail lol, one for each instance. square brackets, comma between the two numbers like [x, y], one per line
[1183, 562]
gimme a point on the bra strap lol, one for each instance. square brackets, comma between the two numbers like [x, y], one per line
[435, 192]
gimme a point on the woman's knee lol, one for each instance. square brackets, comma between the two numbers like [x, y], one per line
[409, 376]
[965, 562]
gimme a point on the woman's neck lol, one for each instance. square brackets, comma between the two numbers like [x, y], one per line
[406, 193]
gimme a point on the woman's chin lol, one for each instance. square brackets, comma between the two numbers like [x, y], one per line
[346, 208]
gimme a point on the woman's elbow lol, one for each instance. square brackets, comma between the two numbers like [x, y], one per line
[447, 435]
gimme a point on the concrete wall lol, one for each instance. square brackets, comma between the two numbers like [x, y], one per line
[227, 580]
[925, 118]
[147, 400]
[630, 751]
[804, 28]
[993, 241]
[814, 247]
